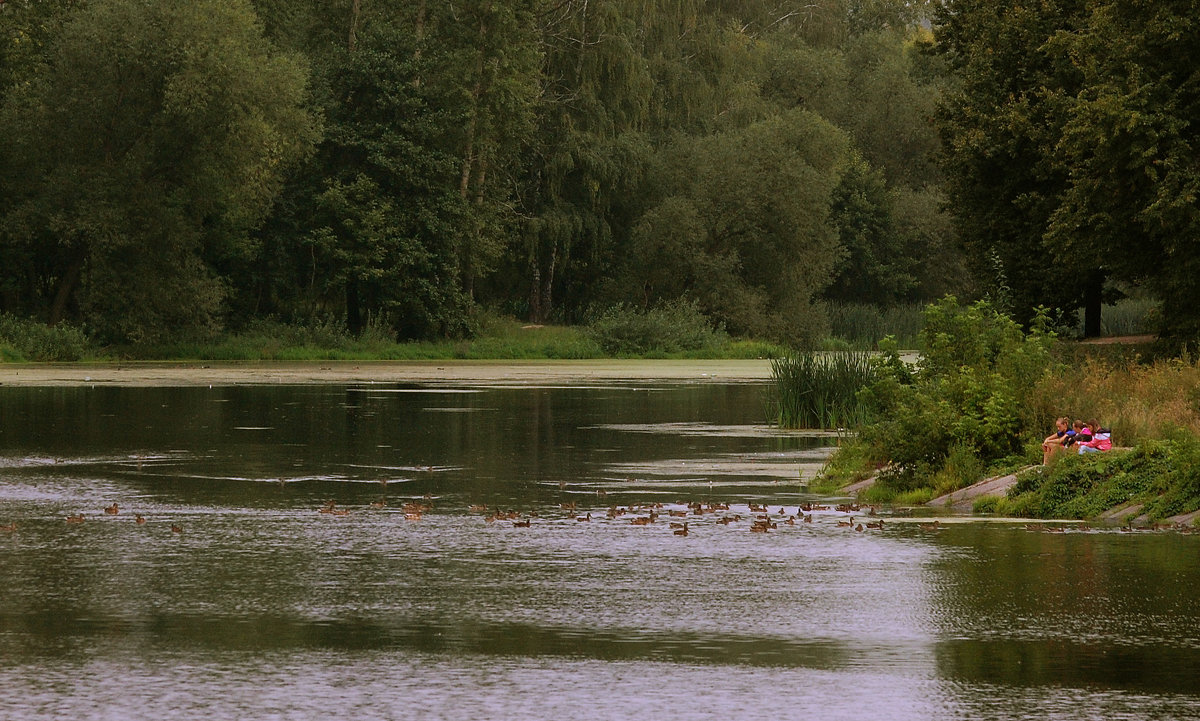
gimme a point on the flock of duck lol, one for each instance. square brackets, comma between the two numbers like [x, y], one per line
[679, 516]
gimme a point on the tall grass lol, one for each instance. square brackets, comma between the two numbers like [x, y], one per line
[1139, 402]
[820, 390]
[861, 325]
[1129, 316]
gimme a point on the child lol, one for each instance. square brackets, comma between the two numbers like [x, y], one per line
[1100, 440]
[1055, 441]
[1079, 432]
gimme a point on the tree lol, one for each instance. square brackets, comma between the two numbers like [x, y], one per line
[139, 157]
[756, 203]
[997, 127]
[1131, 141]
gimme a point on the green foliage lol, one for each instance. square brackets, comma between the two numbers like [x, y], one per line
[1071, 148]
[873, 263]
[669, 328]
[970, 398]
[166, 176]
[863, 325]
[137, 156]
[1160, 474]
[821, 390]
[29, 340]
[742, 225]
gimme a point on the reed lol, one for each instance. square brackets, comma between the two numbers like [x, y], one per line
[820, 390]
[861, 325]
[1128, 316]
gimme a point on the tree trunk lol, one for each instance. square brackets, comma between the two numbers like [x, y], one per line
[472, 164]
[66, 287]
[355, 12]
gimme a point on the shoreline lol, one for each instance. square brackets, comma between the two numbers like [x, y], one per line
[514, 372]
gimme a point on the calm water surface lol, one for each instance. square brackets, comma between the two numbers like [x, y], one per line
[263, 607]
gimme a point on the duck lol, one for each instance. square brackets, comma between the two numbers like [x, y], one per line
[77, 518]
[413, 516]
[641, 521]
[877, 525]
[808, 518]
[846, 524]
[859, 528]
[676, 524]
[935, 526]
[521, 524]
[381, 503]
[759, 528]
[112, 510]
[176, 528]
[584, 519]
[139, 519]
[682, 531]
[676, 514]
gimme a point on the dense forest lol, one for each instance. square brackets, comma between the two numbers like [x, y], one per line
[182, 167]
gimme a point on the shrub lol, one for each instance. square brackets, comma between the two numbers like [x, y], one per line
[670, 328]
[28, 340]
[969, 399]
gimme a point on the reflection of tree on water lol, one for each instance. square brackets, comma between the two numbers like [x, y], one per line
[1077, 609]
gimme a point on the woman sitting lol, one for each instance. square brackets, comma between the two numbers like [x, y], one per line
[1057, 440]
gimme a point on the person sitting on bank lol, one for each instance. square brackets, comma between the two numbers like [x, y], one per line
[1079, 432]
[1056, 441]
[1099, 441]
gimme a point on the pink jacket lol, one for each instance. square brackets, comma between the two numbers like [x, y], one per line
[1101, 441]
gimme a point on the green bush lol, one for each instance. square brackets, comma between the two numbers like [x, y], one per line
[670, 328]
[969, 398]
[28, 340]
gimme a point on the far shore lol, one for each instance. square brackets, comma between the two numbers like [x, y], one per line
[445, 371]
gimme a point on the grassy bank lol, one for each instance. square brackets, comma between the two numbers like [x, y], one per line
[615, 335]
[985, 395]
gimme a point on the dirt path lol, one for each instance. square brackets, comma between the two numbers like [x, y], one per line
[456, 372]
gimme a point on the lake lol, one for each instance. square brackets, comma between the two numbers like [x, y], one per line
[324, 549]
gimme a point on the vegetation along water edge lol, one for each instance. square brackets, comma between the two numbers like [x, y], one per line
[981, 399]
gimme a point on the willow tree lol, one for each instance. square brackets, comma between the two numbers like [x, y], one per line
[141, 153]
